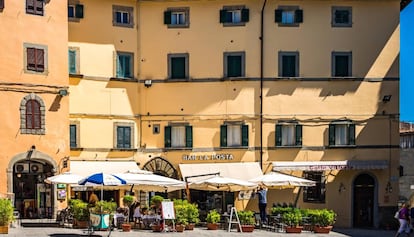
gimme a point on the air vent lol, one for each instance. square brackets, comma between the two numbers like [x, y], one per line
[36, 168]
[21, 168]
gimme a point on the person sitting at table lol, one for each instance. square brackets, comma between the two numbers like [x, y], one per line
[137, 215]
[119, 217]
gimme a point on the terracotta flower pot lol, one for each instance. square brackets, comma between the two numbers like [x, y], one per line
[156, 228]
[212, 226]
[294, 229]
[126, 227]
[322, 229]
[190, 226]
[4, 229]
[246, 228]
[179, 228]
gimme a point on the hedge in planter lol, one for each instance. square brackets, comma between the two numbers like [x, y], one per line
[213, 217]
[247, 220]
[6, 215]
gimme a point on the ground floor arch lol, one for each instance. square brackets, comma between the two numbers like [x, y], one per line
[364, 201]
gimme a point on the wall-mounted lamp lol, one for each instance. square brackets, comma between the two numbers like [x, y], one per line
[341, 187]
[388, 188]
[386, 98]
[30, 152]
[63, 92]
[148, 83]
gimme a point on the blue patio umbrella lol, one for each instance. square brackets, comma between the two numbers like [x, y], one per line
[102, 179]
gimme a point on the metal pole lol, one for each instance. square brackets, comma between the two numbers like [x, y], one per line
[187, 188]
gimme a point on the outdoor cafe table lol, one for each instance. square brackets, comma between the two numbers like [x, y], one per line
[147, 220]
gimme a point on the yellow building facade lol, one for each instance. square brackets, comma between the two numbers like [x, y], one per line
[34, 89]
[309, 88]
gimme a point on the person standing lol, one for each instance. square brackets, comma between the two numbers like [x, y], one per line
[262, 195]
[404, 219]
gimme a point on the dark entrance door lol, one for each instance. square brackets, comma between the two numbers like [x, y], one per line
[364, 186]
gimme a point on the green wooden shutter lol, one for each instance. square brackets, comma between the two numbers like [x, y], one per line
[167, 136]
[351, 134]
[119, 72]
[298, 135]
[223, 136]
[298, 16]
[331, 134]
[278, 15]
[278, 136]
[1, 4]
[119, 137]
[188, 136]
[167, 17]
[245, 135]
[178, 68]
[245, 15]
[79, 11]
[72, 62]
[223, 16]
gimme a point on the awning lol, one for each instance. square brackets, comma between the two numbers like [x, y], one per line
[85, 168]
[236, 170]
[330, 165]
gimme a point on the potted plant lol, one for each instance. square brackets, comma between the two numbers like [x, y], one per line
[80, 212]
[213, 217]
[323, 220]
[180, 215]
[192, 214]
[156, 201]
[292, 219]
[101, 214]
[6, 215]
[127, 200]
[246, 220]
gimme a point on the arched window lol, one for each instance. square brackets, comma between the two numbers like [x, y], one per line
[32, 115]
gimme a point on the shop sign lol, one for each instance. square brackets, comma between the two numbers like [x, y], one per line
[209, 157]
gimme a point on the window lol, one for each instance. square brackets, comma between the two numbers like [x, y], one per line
[288, 64]
[124, 65]
[124, 135]
[123, 16]
[288, 134]
[34, 7]
[341, 64]
[288, 16]
[234, 15]
[73, 54]
[35, 57]
[32, 115]
[75, 11]
[177, 17]
[342, 134]
[315, 193]
[178, 136]
[234, 135]
[178, 66]
[1, 5]
[234, 64]
[341, 16]
[74, 134]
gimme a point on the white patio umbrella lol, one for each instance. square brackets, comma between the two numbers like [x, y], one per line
[64, 178]
[102, 179]
[146, 180]
[220, 183]
[279, 180]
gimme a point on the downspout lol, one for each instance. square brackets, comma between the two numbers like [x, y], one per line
[261, 81]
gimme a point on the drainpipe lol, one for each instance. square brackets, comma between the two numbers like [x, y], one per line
[261, 81]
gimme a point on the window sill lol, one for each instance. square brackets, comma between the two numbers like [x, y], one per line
[123, 79]
[234, 147]
[76, 149]
[171, 26]
[341, 146]
[124, 149]
[76, 75]
[292, 146]
[177, 148]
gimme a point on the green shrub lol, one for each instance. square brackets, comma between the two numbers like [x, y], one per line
[6, 211]
[323, 217]
[104, 207]
[213, 217]
[128, 200]
[280, 210]
[186, 212]
[80, 209]
[246, 217]
[292, 218]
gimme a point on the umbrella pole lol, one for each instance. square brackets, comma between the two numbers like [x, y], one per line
[101, 192]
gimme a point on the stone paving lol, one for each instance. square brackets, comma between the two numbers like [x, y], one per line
[197, 232]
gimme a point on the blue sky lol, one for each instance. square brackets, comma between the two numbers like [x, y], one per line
[407, 63]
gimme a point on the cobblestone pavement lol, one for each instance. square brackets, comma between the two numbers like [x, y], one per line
[197, 232]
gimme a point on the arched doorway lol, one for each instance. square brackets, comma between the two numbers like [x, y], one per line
[162, 167]
[33, 198]
[364, 195]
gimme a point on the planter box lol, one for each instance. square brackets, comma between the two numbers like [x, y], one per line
[212, 226]
[190, 226]
[4, 229]
[322, 229]
[297, 229]
[126, 227]
[246, 228]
